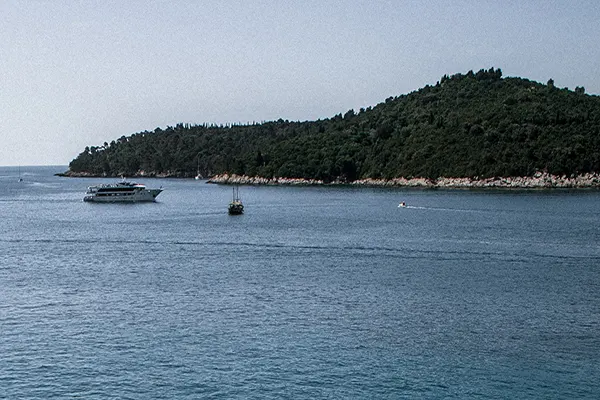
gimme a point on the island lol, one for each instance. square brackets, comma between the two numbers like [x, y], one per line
[478, 129]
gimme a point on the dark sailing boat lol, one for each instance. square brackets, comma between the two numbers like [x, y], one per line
[236, 207]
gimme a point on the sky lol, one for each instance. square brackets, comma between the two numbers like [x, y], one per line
[77, 73]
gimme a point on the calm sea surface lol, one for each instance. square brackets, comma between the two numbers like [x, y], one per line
[313, 293]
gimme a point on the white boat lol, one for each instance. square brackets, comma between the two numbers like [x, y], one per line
[120, 192]
[198, 174]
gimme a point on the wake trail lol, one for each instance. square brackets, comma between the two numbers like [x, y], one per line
[439, 209]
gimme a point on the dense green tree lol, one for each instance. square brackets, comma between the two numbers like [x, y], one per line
[477, 124]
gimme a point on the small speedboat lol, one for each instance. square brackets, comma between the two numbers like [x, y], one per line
[402, 204]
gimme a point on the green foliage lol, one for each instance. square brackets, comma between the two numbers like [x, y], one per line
[467, 125]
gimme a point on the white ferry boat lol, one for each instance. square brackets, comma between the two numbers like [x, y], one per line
[120, 192]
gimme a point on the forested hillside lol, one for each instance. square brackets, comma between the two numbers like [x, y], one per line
[466, 125]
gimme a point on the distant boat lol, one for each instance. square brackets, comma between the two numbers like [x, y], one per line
[236, 207]
[120, 192]
[198, 175]
[20, 179]
[402, 204]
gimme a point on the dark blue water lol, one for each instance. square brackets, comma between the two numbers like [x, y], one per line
[313, 293]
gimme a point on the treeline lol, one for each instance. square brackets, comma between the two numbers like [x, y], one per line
[467, 125]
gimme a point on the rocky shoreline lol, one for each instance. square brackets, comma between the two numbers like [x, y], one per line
[539, 180]
[139, 174]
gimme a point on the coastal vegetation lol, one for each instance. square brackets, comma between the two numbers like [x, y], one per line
[476, 125]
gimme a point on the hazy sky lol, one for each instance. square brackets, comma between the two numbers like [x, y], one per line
[81, 73]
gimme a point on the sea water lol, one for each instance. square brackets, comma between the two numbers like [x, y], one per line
[315, 292]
